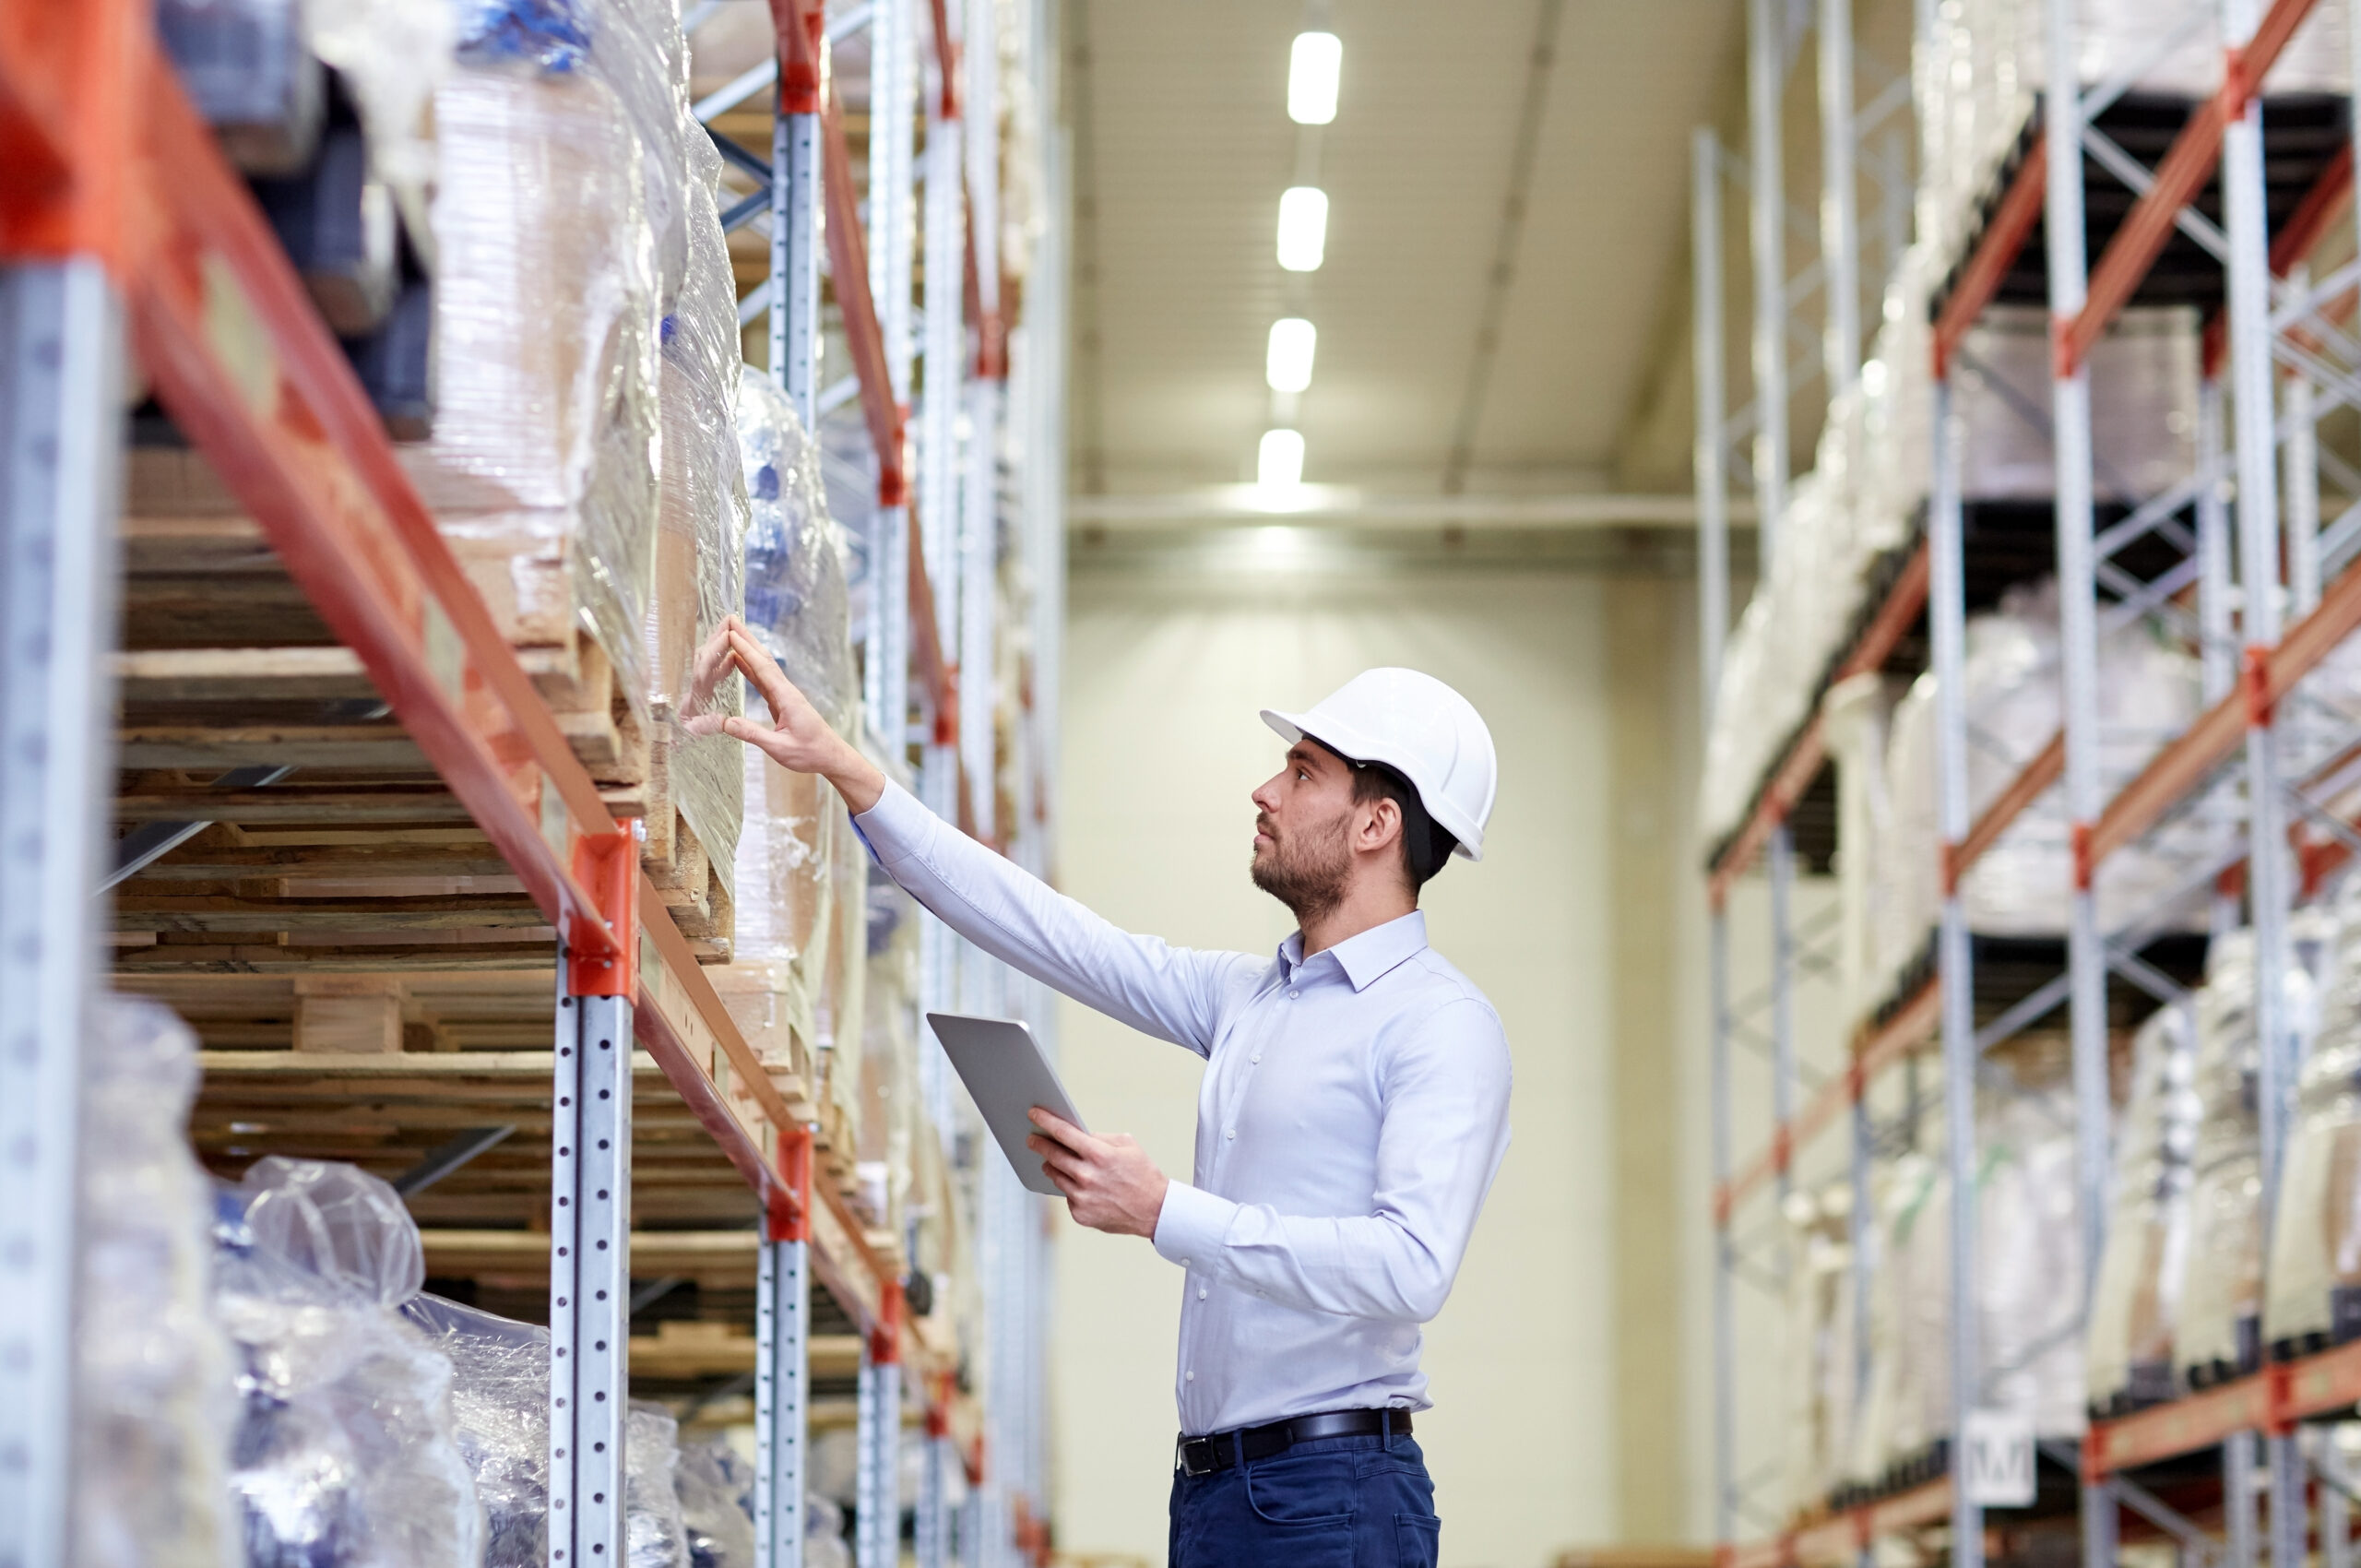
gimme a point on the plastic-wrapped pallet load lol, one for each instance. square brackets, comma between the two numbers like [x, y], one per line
[889, 1056]
[698, 780]
[716, 1490]
[2137, 1300]
[1820, 1350]
[796, 608]
[501, 1401]
[542, 471]
[347, 1455]
[2028, 1238]
[153, 1405]
[2221, 1289]
[1907, 1409]
[2313, 1291]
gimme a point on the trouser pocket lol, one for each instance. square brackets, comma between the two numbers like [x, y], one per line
[1418, 1541]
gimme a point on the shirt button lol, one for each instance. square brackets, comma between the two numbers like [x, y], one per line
[1201, 1292]
[1293, 994]
[1256, 1058]
[1229, 1132]
[1193, 1377]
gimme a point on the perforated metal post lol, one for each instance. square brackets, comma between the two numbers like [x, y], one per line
[1946, 614]
[782, 1364]
[1766, 187]
[930, 1534]
[893, 107]
[60, 440]
[795, 239]
[1840, 223]
[877, 1512]
[590, 1253]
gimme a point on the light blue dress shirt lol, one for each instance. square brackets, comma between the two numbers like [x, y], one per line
[1354, 1112]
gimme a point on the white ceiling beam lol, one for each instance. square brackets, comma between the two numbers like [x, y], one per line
[1345, 506]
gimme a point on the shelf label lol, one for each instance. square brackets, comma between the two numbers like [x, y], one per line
[2000, 1470]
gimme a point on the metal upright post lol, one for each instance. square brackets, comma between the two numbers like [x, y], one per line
[796, 240]
[2336, 1516]
[2301, 462]
[1725, 1261]
[2217, 629]
[1840, 226]
[1947, 614]
[2078, 644]
[2237, 1500]
[877, 1515]
[590, 1236]
[782, 1362]
[1765, 73]
[893, 107]
[2245, 221]
[61, 372]
[931, 1538]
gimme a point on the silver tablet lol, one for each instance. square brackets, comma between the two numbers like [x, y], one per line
[1007, 1075]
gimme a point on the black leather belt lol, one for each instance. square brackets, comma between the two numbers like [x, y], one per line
[1220, 1450]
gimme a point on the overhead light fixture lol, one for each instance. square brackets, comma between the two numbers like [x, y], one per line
[1312, 67]
[1303, 228]
[1278, 465]
[1287, 364]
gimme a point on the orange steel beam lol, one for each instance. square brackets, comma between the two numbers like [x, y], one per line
[2221, 730]
[2186, 167]
[1995, 253]
[1795, 771]
[864, 340]
[1840, 1538]
[2047, 767]
[2184, 1426]
[1912, 1025]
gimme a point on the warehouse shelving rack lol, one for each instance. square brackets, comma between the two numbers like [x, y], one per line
[120, 227]
[2267, 328]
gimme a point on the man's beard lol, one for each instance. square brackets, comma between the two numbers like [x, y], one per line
[1308, 869]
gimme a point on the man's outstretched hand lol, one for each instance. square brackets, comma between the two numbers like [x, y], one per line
[1110, 1183]
[797, 738]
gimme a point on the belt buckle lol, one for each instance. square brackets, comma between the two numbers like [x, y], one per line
[1182, 1457]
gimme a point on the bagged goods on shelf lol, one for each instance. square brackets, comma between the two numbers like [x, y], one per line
[1820, 1350]
[542, 471]
[2144, 377]
[1855, 714]
[153, 1406]
[889, 1055]
[1980, 68]
[2028, 1238]
[702, 520]
[2221, 1289]
[716, 1490]
[2136, 1303]
[1907, 1406]
[347, 1451]
[796, 602]
[2313, 1290]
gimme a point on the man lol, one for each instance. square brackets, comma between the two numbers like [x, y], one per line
[1353, 1115]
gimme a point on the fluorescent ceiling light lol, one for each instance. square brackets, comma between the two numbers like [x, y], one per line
[1279, 464]
[1303, 228]
[1287, 364]
[1312, 77]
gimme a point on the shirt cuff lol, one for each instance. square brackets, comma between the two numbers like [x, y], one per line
[1190, 1228]
[893, 828]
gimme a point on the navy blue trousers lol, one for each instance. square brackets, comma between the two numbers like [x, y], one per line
[1331, 1502]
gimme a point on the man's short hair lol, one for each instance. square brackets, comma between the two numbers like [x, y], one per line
[1426, 843]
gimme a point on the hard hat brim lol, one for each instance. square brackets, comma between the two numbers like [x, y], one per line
[1347, 741]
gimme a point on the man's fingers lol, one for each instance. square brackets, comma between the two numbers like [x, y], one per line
[1056, 1126]
[1060, 1160]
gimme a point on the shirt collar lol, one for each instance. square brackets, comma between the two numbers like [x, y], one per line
[1365, 956]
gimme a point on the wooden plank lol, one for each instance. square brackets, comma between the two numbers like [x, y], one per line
[220, 912]
[158, 677]
[374, 747]
[286, 804]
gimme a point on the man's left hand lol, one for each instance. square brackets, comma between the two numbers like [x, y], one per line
[1110, 1183]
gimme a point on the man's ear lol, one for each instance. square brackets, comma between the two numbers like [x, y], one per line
[1385, 824]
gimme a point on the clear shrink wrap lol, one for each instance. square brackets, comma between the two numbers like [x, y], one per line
[796, 608]
[542, 469]
[2221, 1289]
[499, 1383]
[653, 1534]
[701, 518]
[1819, 1352]
[716, 1490]
[634, 50]
[1855, 715]
[1907, 871]
[1908, 1408]
[347, 1452]
[840, 1005]
[889, 1055]
[153, 1406]
[2028, 1237]
[2313, 1289]
[2136, 1303]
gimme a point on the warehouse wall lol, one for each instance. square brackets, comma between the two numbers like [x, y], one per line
[1555, 1364]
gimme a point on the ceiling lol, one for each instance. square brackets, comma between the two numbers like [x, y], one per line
[1183, 145]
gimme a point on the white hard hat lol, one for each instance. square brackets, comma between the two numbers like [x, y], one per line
[1419, 727]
